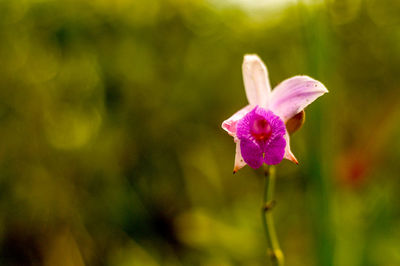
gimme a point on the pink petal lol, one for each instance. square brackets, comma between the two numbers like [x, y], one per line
[252, 152]
[271, 147]
[292, 95]
[239, 162]
[230, 124]
[274, 153]
[288, 153]
[256, 82]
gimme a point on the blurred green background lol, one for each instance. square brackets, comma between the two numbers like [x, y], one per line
[111, 150]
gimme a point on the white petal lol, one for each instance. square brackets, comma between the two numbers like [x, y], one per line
[229, 125]
[288, 153]
[256, 82]
[239, 162]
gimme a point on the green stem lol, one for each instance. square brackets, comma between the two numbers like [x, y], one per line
[274, 250]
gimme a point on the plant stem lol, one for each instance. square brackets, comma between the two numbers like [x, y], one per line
[274, 250]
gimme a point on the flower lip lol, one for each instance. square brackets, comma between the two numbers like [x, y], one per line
[261, 134]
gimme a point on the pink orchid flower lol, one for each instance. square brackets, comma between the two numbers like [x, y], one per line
[259, 129]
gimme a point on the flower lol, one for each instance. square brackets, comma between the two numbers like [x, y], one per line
[260, 129]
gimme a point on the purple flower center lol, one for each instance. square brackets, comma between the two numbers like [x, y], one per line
[261, 134]
[260, 129]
